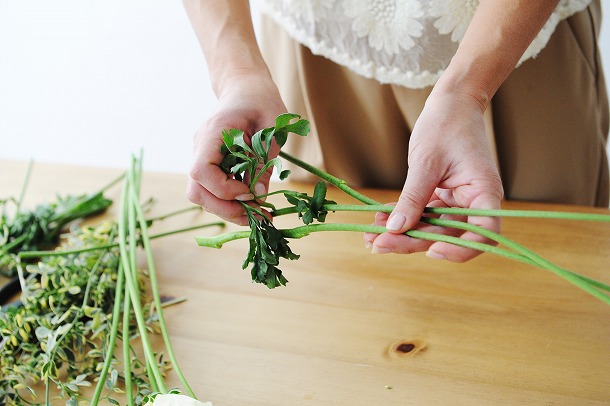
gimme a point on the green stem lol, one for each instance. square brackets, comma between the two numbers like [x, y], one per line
[8, 247]
[218, 241]
[111, 184]
[259, 174]
[155, 290]
[38, 254]
[132, 286]
[384, 208]
[116, 312]
[535, 259]
[341, 184]
[302, 231]
[24, 187]
[337, 182]
[133, 180]
[174, 213]
[126, 348]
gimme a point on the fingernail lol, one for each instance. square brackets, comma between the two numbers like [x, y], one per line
[368, 244]
[245, 197]
[396, 222]
[260, 189]
[380, 250]
[435, 255]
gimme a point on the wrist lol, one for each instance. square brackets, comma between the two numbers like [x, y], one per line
[248, 82]
[459, 83]
[226, 80]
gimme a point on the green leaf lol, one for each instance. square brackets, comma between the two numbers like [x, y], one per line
[284, 174]
[257, 145]
[227, 137]
[42, 333]
[319, 194]
[291, 199]
[301, 128]
[238, 139]
[284, 119]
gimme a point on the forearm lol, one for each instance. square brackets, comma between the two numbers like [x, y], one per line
[226, 35]
[497, 37]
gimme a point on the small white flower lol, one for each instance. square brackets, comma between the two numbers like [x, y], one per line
[175, 400]
[454, 16]
[390, 25]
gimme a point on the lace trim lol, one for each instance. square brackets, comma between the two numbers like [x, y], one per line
[410, 78]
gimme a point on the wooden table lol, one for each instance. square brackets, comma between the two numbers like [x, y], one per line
[353, 328]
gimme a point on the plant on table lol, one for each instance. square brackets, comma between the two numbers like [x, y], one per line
[40, 228]
[268, 244]
[78, 303]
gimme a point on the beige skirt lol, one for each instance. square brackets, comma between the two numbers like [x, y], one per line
[547, 124]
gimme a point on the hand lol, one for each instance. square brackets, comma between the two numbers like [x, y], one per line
[450, 165]
[249, 103]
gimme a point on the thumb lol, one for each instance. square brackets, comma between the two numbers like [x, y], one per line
[415, 195]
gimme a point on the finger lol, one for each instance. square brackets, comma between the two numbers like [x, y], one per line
[229, 210]
[398, 244]
[207, 172]
[217, 182]
[380, 220]
[404, 244]
[454, 253]
[418, 189]
[390, 242]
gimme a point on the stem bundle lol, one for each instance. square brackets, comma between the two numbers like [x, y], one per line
[512, 251]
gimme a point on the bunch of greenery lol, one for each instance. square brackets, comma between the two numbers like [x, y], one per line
[40, 228]
[268, 244]
[77, 303]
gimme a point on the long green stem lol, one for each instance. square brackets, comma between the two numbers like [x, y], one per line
[132, 286]
[537, 260]
[337, 182]
[39, 254]
[530, 258]
[384, 208]
[341, 184]
[111, 184]
[126, 350]
[116, 312]
[576, 279]
[174, 213]
[155, 290]
[24, 187]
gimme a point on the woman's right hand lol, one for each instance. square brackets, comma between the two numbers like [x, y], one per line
[249, 102]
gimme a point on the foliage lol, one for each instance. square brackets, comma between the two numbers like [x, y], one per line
[250, 162]
[77, 302]
[40, 228]
[61, 330]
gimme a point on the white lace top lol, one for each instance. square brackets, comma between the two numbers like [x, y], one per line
[404, 42]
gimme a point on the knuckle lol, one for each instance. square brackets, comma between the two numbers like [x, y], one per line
[191, 192]
[198, 173]
[412, 198]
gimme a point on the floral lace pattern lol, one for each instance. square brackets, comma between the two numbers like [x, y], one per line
[404, 42]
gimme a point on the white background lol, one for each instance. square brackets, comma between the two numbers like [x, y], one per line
[90, 82]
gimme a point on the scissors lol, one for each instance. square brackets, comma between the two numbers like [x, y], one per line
[8, 292]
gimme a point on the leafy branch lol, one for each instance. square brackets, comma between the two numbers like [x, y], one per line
[40, 228]
[317, 207]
